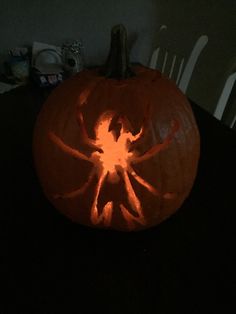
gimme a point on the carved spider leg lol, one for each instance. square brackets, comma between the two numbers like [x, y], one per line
[135, 139]
[106, 214]
[90, 86]
[155, 150]
[74, 153]
[144, 125]
[129, 218]
[133, 201]
[126, 128]
[144, 183]
[83, 98]
[87, 140]
[79, 190]
[65, 148]
[158, 147]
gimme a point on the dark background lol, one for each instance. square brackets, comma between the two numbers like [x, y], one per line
[50, 265]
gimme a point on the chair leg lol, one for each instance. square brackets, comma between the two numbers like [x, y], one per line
[198, 47]
[222, 102]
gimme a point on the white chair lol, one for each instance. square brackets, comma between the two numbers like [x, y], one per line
[224, 97]
[174, 66]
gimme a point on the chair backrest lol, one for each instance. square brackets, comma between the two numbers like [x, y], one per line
[224, 97]
[174, 66]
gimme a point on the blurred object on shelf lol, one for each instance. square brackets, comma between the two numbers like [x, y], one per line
[18, 64]
[47, 66]
[72, 55]
[6, 87]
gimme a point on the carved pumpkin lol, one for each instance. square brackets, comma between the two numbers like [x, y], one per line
[117, 147]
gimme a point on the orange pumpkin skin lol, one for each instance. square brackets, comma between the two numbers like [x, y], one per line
[138, 193]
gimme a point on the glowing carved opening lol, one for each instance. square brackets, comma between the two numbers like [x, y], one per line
[112, 158]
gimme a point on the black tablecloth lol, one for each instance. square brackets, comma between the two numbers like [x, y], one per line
[50, 265]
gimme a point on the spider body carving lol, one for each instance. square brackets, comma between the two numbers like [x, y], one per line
[113, 158]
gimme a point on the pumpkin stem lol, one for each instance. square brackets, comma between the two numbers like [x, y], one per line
[117, 64]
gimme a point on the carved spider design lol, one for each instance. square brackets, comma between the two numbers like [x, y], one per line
[113, 157]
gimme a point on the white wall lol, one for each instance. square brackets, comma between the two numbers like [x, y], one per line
[53, 21]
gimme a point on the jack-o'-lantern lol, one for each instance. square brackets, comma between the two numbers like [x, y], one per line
[117, 146]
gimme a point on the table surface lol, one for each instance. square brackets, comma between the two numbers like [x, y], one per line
[50, 265]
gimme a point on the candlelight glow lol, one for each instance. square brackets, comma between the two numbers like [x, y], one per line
[112, 158]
